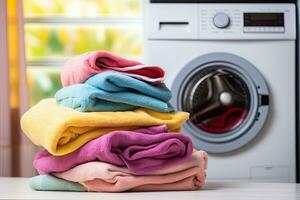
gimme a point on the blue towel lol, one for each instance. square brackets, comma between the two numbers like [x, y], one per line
[51, 183]
[111, 91]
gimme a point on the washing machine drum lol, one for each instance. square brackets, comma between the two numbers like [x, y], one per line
[227, 98]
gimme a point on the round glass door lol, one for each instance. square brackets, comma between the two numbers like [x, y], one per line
[223, 94]
[217, 99]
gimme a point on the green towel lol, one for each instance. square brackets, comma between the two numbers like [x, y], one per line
[51, 183]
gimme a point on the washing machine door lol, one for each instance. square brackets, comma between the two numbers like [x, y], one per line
[227, 98]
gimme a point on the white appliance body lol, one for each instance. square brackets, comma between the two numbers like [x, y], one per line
[176, 34]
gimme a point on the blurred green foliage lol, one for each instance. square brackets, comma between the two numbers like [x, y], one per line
[59, 41]
[43, 82]
[55, 42]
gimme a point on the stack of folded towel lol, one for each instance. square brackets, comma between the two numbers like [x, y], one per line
[111, 129]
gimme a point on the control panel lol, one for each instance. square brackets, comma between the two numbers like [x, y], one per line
[221, 21]
[254, 21]
[247, 21]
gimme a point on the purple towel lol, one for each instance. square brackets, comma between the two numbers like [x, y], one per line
[142, 151]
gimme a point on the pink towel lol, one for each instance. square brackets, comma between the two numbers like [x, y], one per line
[142, 151]
[100, 176]
[79, 68]
[190, 179]
[97, 169]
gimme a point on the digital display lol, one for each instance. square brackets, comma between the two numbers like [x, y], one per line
[264, 19]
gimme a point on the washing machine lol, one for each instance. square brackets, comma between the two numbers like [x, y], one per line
[232, 67]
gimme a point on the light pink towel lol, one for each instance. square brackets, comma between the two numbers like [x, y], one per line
[190, 179]
[79, 68]
[101, 176]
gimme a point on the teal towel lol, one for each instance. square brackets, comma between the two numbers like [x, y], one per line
[111, 91]
[51, 183]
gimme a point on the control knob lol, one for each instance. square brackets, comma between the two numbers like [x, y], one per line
[221, 20]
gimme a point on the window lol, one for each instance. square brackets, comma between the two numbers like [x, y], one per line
[58, 29]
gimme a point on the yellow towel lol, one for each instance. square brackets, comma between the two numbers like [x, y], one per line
[63, 130]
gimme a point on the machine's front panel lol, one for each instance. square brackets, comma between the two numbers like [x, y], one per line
[232, 66]
[222, 21]
[275, 60]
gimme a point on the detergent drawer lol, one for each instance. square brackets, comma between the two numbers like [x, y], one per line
[167, 21]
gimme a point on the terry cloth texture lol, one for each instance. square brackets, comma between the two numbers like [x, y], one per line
[62, 130]
[111, 91]
[79, 68]
[141, 151]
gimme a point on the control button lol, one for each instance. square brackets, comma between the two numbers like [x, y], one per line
[269, 29]
[280, 29]
[221, 20]
[247, 29]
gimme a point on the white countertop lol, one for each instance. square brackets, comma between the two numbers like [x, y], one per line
[17, 188]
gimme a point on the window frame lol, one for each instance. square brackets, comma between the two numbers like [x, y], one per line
[105, 20]
[5, 129]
